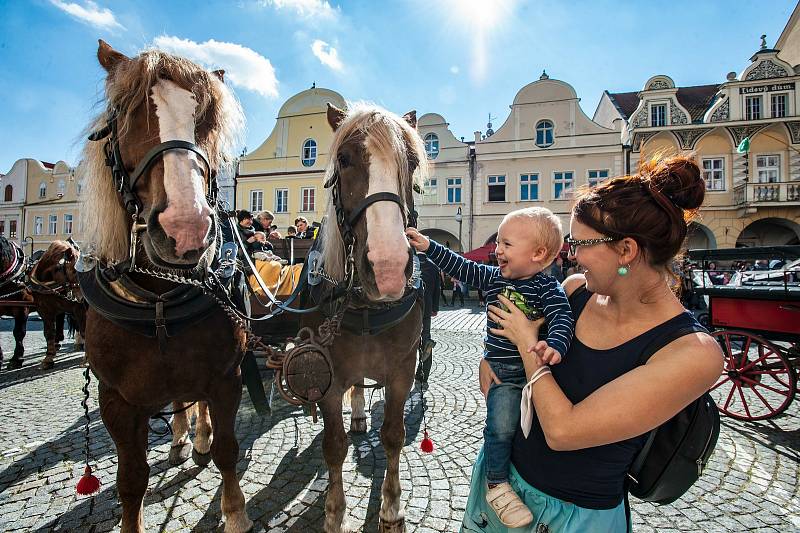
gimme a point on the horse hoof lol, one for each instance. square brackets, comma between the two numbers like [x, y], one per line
[358, 426]
[201, 459]
[398, 526]
[14, 363]
[179, 453]
[47, 364]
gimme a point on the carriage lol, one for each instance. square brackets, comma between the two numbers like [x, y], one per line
[755, 317]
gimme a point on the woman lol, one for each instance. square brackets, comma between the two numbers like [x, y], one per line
[592, 411]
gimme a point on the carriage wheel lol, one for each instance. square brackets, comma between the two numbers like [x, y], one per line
[757, 380]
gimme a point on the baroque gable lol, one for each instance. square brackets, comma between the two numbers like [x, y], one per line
[766, 69]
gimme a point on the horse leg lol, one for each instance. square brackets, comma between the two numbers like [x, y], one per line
[334, 449]
[181, 447]
[59, 330]
[393, 434]
[201, 455]
[358, 418]
[20, 328]
[49, 320]
[225, 452]
[78, 342]
[128, 427]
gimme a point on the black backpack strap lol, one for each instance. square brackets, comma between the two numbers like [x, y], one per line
[578, 300]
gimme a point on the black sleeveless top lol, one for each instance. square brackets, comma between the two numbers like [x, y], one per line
[592, 477]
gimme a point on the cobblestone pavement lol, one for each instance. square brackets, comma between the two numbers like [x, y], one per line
[750, 485]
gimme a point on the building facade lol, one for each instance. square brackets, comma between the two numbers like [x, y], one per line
[14, 188]
[285, 174]
[51, 208]
[753, 196]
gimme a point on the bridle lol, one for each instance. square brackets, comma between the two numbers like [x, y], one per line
[125, 183]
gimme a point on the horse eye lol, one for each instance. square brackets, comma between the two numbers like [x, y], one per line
[343, 160]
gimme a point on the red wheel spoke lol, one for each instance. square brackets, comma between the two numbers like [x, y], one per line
[753, 363]
[746, 347]
[730, 396]
[757, 384]
[744, 403]
[773, 374]
[732, 361]
[727, 379]
[763, 400]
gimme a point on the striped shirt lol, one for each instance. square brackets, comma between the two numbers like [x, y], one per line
[540, 291]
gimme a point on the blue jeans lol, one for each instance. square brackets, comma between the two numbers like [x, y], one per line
[502, 418]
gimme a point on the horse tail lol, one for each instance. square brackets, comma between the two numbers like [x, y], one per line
[347, 396]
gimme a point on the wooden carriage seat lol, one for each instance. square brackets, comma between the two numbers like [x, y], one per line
[281, 280]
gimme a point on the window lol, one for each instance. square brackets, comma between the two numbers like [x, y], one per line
[430, 192]
[12, 229]
[68, 224]
[281, 200]
[62, 187]
[528, 187]
[2, 227]
[309, 153]
[497, 188]
[43, 190]
[769, 168]
[658, 115]
[432, 145]
[779, 105]
[562, 182]
[544, 133]
[52, 224]
[752, 107]
[596, 176]
[307, 195]
[256, 201]
[714, 173]
[37, 225]
[8, 193]
[453, 190]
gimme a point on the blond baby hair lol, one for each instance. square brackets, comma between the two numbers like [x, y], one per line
[546, 228]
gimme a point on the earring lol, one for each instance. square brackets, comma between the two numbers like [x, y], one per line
[623, 270]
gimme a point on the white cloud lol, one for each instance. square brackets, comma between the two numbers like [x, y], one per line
[243, 66]
[454, 69]
[305, 8]
[90, 14]
[327, 54]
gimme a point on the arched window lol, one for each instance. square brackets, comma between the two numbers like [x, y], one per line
[432, 145]
[43, 190]
[544, 133]
[309, 153]
[8, 193]
[62, 187]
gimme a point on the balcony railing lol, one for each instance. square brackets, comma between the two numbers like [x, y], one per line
[767, 192]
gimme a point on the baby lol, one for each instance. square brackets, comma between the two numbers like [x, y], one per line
[528, 240]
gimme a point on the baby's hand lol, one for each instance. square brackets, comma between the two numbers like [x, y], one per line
[416, 239]
[548, 355]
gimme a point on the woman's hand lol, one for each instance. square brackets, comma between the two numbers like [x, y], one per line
[514, 325]
[486, 377]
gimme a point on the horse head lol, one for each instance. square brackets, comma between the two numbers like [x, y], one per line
[376, 160]
[169, 125]
[57, 267]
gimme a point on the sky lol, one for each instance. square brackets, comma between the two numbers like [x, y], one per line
[463, 59]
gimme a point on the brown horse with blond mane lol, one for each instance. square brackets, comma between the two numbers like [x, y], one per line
[153, 336]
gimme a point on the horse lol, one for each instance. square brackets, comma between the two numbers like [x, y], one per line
[53, 282]
[15, 298]
[153, 334]
[377, 159]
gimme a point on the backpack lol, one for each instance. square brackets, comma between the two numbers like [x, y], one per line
[677, 451]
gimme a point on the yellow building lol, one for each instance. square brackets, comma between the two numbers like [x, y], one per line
[51, 208]
[284, 175]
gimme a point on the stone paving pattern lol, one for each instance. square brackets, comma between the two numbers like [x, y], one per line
[750, 485]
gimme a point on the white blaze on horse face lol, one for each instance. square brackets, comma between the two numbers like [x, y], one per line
[187, 216]
[386, 239]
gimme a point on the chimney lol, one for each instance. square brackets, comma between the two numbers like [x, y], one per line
[477, 136]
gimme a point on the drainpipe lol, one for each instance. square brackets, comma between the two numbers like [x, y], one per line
[626, 149]
[472, 171]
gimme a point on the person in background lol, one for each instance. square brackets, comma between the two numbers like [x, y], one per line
[303, 231]
[431, 285]
[442, 294]
[291, 232]
[557, 268]
[458, 287]
[254, 241]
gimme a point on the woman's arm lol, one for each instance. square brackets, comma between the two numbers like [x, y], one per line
[632, 404]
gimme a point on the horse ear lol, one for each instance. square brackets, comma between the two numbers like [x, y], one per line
[108, 57]
[220, 74]
[411, 118]
[335, 116]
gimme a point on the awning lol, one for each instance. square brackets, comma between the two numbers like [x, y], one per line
[483, 253]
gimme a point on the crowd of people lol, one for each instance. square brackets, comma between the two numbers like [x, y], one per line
[256, 231]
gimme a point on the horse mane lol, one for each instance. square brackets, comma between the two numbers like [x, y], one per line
[50, 258]
[6, 253]
[386, 135]
[128, 88]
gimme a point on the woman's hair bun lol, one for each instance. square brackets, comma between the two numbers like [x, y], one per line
[677, 177]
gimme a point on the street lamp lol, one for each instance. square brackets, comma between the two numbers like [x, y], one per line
[459, 219]
[26, 240]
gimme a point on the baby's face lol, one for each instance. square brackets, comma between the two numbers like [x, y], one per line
[516, 248]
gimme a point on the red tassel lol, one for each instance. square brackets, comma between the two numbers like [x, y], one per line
[88, 484]
[427, 444]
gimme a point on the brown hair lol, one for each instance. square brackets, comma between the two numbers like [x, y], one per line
[652, 207]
